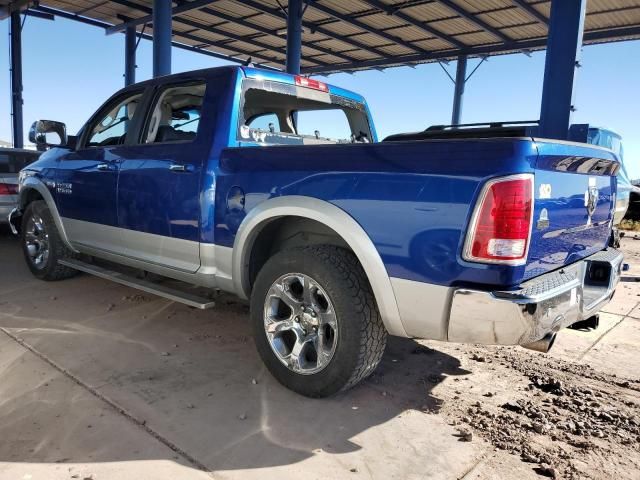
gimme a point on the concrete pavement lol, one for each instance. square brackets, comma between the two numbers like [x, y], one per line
[97, 379]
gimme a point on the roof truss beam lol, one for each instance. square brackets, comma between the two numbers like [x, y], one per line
[185, 7]
[391, 10]
[223, 33]
[277, 13]
[531, 10]
[266, 31]
[363, 26]
[146, 36]
[614, 34]
[475, 20]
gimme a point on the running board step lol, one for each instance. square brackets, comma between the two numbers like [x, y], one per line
[146, 286]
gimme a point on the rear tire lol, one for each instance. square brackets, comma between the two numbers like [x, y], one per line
[42, 245]
[328, 332]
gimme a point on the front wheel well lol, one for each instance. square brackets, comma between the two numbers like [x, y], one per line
[31, 195]
[289, 232]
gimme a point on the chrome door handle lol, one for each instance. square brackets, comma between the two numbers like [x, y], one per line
[103, 166]
[176, 167]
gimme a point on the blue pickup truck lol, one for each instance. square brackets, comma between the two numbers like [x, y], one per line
[220, 179]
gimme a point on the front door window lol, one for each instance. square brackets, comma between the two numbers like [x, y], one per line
[112, 124]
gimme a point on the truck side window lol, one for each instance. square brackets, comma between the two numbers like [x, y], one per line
[111, 126]
[175, 115]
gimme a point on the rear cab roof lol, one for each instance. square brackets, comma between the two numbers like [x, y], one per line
[248, 72]
[289, 79]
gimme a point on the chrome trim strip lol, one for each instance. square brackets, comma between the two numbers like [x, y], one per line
[340, 222]
[11, 225]
[31, 182]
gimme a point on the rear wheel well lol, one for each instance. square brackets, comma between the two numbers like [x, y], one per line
[289, 232]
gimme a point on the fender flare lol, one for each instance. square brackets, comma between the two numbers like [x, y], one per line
[33, 183]
[332, 217]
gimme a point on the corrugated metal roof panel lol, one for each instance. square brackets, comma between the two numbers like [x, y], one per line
[409, 31]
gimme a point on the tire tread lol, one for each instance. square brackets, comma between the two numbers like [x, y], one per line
[373, 332]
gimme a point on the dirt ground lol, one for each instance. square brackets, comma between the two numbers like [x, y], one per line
[98, 381]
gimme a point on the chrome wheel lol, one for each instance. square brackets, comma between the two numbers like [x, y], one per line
[300, 323]
[36, 241]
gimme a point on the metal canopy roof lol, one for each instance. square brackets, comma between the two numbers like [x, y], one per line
[349, 35]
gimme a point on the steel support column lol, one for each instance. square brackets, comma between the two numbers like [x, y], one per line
[294, 36]
[566, 27]
[161, 37]
[130, 40]
[458, 93]
[16, 79]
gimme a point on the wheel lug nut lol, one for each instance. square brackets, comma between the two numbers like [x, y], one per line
[304, 332]
[315, 329]
[296, 319]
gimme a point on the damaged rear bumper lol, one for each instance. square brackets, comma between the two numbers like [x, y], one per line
[540, 307]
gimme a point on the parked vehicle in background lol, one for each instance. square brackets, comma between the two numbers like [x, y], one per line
[224, 178]
[12, 160]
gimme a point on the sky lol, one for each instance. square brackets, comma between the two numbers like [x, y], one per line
[70, 69]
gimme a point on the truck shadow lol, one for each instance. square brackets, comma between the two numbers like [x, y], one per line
[189, 378]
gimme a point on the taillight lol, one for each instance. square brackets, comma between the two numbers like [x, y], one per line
[500, 227]
[8, 189]
[309, 83]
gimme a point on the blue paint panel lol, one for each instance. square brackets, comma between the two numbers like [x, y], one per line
[568, 170]
[412, 198]
[92, 197]
[154, 199]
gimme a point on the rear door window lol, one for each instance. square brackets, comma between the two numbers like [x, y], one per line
[175, 115]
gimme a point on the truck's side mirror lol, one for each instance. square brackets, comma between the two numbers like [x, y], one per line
[48, 133]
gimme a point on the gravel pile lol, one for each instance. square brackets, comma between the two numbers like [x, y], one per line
[560, 414]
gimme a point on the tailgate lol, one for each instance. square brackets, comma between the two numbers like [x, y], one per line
[575, 187]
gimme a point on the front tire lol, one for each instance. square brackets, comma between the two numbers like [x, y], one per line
[42, 245]
[315, 320]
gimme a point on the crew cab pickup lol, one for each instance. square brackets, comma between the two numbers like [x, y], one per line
[221, 179]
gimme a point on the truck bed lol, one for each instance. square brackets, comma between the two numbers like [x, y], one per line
[415, 198]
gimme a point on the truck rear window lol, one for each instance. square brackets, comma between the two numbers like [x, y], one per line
[278, 113]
